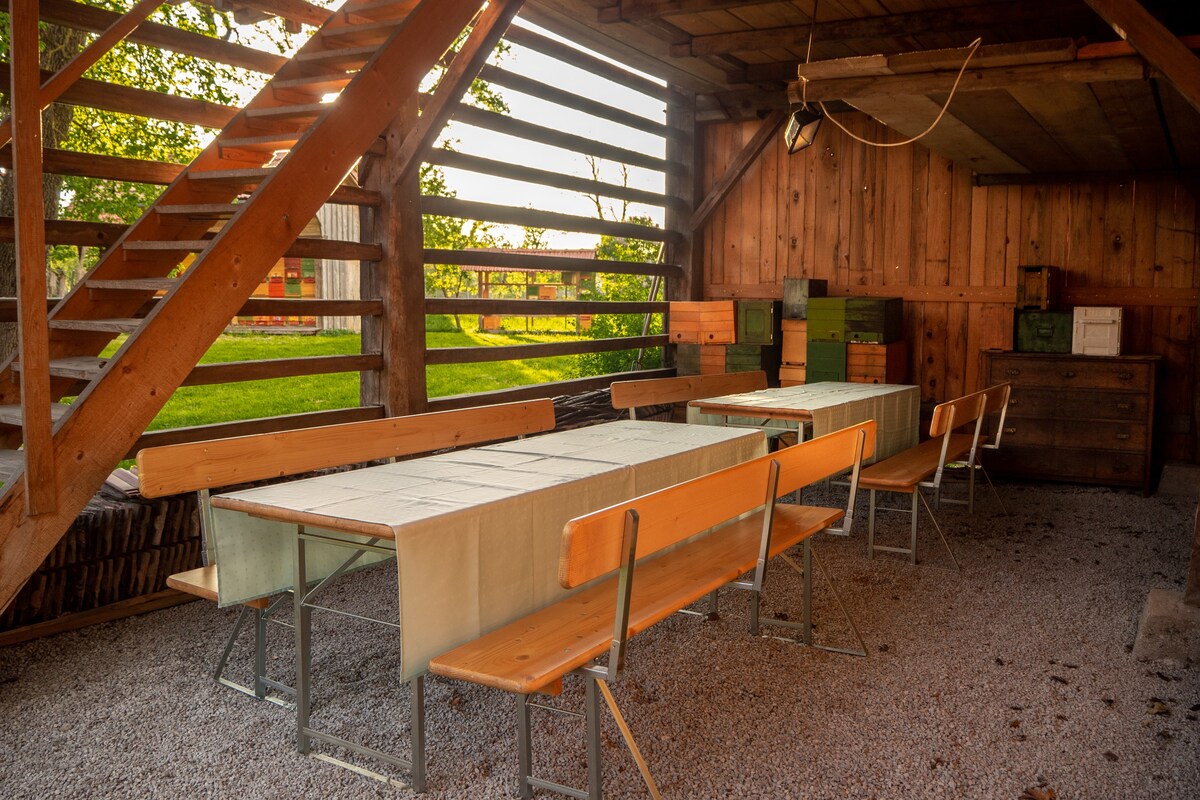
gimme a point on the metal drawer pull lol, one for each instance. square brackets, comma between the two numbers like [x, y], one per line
[1012, 402]
[1125, 376]
[1120, 406]
[1068, 374]
[1013, 371]
[1010, 430]
[1122, 435]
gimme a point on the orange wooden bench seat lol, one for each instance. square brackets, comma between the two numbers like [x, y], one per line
[536, 651]
[635, 563]
[202, 582]
[903, 471]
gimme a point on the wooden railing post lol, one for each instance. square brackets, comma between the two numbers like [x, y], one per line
[34, 348]
[682, 147]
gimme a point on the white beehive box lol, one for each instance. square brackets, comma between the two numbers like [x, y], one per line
[1096, 331]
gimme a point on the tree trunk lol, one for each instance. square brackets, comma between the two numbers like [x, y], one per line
[60, 46]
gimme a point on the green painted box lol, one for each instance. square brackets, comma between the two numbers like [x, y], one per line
[1043, 332]
[826, 361]
[687, 359]
[754, 357]
[874, 319]
[758, 321]
[827, 319]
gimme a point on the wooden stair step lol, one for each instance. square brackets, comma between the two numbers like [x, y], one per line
[315, 87]
[338, 58]
[293, 112]
[127, 325]
[166, 246]
[266, 143]
[199, 210]
[247, 177]
[12, 414]
[10, 462]
[80, 368]
[384, 9]
[133, 284]
[372, 33]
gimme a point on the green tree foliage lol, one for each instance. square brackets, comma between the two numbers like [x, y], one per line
[614, 286]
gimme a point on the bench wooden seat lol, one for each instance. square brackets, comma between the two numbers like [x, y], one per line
[202, 582]
[637, 563]
[903, 471]
[637, 394]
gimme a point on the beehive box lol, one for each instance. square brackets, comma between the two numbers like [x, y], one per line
[712, 359]
[877, 363]
[791, 375]
[1043, 332]
[1037, 288]
[826, 361]
[1096, 331]
[874, 319]
[752, 357]
[758, 321]
[795, 341]
[827, 319]
[796, 294]
[687, 359]
[710, 322]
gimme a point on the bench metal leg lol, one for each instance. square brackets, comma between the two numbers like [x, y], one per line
[594, 752]
[303, 626]
[417, 713]
[871, 527]
[806, 631]
[912, 546]
[524, 746]
[260, 653]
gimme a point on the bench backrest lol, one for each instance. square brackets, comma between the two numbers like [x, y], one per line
[661, 391]
[996, 402]
[955, 413]
[196, 466]
[591, 544]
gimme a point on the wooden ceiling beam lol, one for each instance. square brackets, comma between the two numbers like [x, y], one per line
[971, 19]
[95, 20]
[1161, 48]
[638, 10]
[295, 10]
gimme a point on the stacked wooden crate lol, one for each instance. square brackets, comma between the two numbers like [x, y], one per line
[796, 294]
[725, 336]
[857, 339]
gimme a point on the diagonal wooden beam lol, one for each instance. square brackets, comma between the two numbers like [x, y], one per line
[721, 189]
[1161, 48]
[638, 10]
[493, 21]
[53, 88]
[964, 18]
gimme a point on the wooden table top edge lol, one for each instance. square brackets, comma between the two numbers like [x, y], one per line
[323, 521]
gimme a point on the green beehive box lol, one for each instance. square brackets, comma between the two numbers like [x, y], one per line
[827, 319]
[753, 357]
[1043, 332]
[874, 319]
[758, 321]
[796, 294]
[687, 359]
[826, 361]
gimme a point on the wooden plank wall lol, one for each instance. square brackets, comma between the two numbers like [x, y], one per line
[906, 222]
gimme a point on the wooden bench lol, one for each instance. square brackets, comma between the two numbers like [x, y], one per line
[637, 394]
[923, 466]
[203, 466]
[633, 579]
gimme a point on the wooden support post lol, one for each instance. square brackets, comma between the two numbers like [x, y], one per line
[682, 148]
[34, 348]
[398, 278]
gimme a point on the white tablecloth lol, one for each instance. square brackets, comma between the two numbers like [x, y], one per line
[832, 406]
[477, 532]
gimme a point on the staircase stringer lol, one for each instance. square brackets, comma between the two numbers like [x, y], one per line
[114, 410]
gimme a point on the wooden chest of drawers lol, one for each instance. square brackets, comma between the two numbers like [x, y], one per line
[1087, 419]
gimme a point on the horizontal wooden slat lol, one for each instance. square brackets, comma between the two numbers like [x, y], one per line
[139, 102]
[93, 19]
[538, 308]
[516, 172]
[510, 215]
[999, 295]
[121, 609]
[88, 165]
[552, 94]
[236, 371]
[508, 259]
[517, 352]
[255, 306]
[501, 123]
[535, 391]
[221, 430]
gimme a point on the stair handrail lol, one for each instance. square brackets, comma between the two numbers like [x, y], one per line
[65, 78]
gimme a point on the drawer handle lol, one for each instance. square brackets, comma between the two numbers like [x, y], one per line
[1010, 430]
[1012, 371]
[1125, 376]
[1068, 374]
[1013, 401]
[1122, 436]
[1123, 406]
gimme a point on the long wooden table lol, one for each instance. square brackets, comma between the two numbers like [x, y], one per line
[829, 406]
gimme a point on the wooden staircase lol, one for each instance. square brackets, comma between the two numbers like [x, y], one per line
[372, 56]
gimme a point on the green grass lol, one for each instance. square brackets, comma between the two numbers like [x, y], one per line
[201, 405]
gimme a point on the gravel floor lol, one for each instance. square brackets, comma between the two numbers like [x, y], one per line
[1010, 679]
